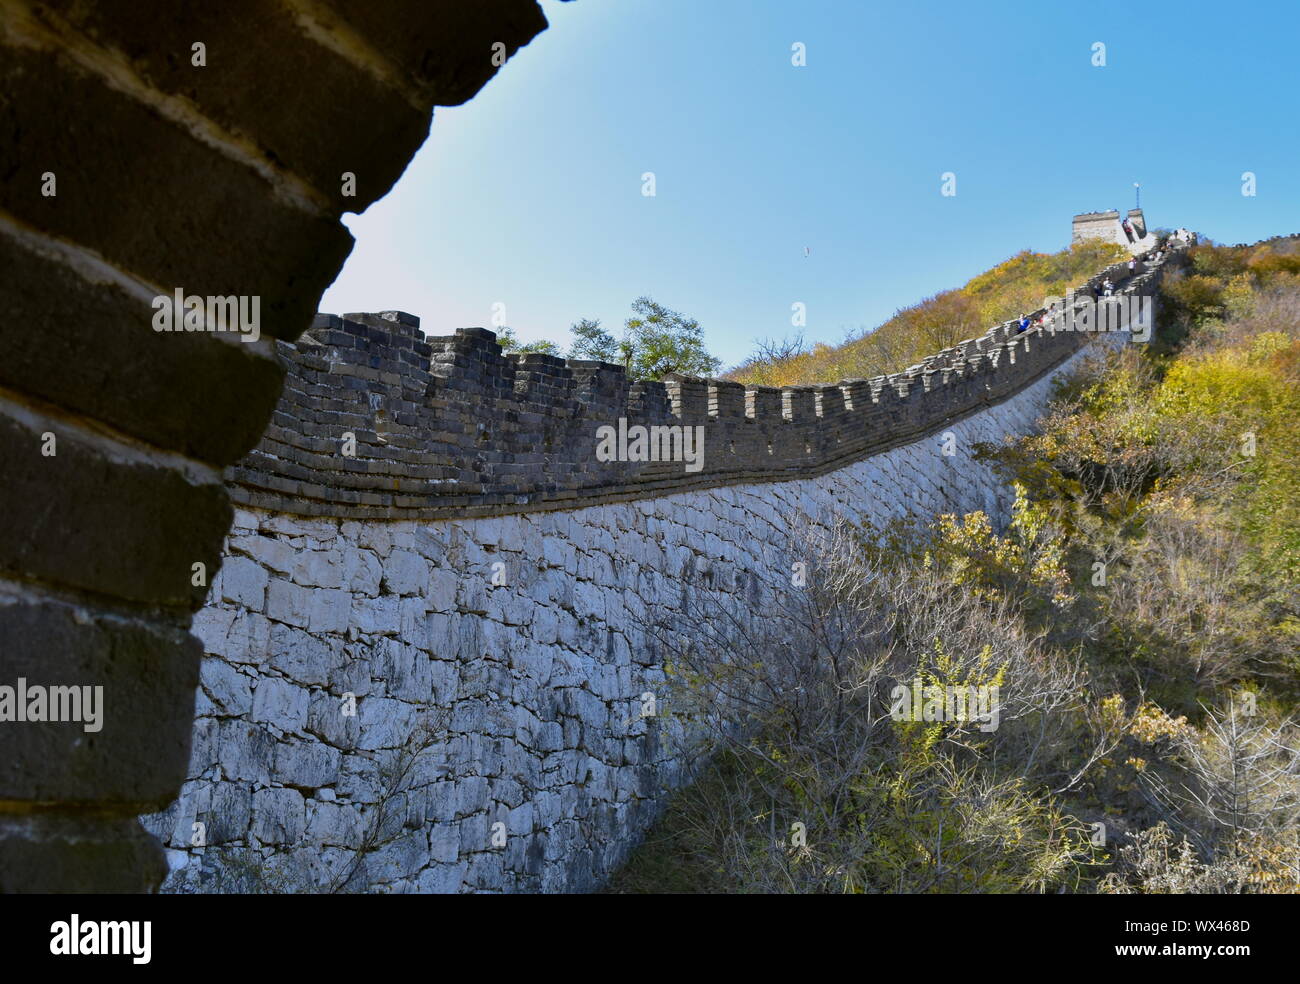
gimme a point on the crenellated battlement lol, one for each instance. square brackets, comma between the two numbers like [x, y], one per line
[379, 421]
[532, 640]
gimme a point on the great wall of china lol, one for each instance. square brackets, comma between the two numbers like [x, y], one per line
[431, 576]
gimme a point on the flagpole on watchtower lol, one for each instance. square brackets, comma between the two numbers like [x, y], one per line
[1137, 194]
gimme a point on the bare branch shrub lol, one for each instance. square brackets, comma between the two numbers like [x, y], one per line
[397, 771]
[814, 787]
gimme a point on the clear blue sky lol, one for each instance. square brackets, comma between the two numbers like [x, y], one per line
[530, 194]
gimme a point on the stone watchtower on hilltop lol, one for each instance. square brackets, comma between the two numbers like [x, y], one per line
[1110, 227]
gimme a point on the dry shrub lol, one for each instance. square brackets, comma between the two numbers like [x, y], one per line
[814, 787]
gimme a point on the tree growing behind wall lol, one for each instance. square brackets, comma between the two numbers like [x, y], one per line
[591, 341]
[510, 342]
[656, 341]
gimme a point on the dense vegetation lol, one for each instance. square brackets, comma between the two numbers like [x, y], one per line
[1139, 615]
[1010, 289]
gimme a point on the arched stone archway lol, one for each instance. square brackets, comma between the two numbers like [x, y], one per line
[147, 148]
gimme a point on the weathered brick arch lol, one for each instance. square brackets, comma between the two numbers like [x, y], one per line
[128, 171]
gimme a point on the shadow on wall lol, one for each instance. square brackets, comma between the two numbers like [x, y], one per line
[114, 435]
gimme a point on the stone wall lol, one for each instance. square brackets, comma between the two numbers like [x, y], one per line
[147, 146]
[400, 696]
[1095, 225]
[1108, 227]
[379, 422]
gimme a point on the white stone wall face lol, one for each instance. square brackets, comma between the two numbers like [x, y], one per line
[542, 773]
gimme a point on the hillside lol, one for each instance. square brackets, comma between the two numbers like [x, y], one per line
[1011, 288]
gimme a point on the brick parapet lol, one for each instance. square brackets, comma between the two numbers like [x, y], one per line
[377, 421]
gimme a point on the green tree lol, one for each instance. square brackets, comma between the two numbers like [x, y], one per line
[658, 340]
[590, 341]
[510, 342]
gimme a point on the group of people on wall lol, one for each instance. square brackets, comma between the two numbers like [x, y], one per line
[1108, 286]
